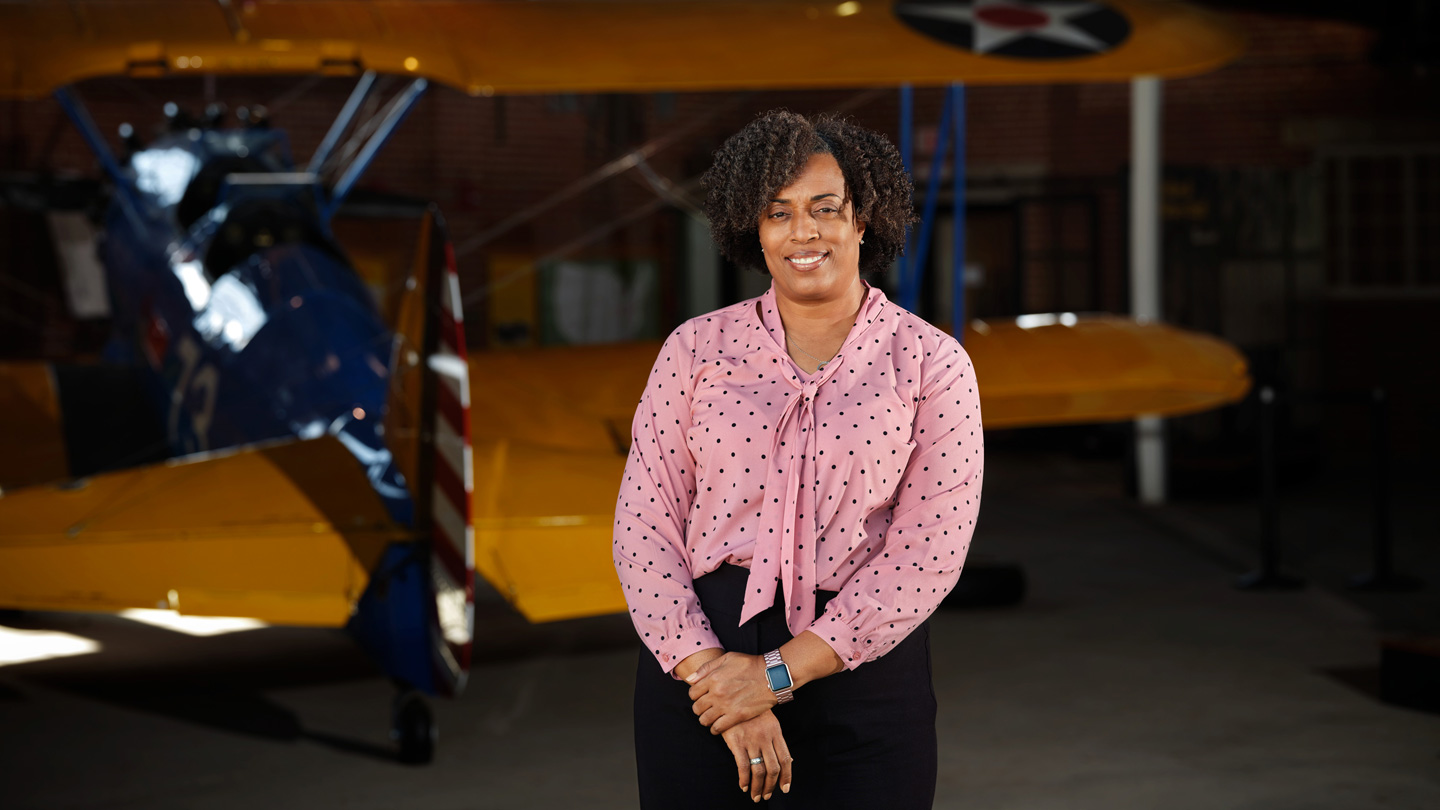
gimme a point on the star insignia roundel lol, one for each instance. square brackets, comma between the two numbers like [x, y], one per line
[1043, 29]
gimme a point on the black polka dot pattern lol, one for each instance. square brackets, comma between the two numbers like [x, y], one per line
[863, 478]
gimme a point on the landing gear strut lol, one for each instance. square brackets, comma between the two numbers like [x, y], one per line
[413, 728]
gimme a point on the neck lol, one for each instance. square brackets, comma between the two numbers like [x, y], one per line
[821, 318]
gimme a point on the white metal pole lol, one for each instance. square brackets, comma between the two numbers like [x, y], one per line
[1145, 264]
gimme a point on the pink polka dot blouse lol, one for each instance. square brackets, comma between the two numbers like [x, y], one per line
[863, 479]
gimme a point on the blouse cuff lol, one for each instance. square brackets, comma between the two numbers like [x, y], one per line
[848, 642]
[692, 638]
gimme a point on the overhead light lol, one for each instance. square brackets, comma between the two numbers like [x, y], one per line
[846, 9]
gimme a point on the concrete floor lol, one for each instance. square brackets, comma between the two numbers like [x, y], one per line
[1134, 676]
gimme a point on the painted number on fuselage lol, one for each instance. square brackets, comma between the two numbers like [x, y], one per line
[198, 380]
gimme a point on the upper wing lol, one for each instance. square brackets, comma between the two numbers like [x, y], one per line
[286, 533]
[628, 46]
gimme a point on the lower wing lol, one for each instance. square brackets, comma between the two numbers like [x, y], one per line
[551, 427]
[1065, 369]
[286, 533]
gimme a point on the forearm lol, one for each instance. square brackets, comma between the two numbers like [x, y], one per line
[810, 658]
[685, 668]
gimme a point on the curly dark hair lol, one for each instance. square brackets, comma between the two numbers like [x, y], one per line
[771, 151]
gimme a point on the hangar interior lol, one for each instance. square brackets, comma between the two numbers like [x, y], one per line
[1300, 222]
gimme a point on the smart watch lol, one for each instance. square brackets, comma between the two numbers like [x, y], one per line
[778, 674]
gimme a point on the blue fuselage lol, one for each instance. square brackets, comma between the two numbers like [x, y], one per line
[251, 323]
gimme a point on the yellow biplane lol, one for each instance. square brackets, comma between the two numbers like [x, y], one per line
[302, 451]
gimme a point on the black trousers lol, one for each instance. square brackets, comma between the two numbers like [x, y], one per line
[862, 738]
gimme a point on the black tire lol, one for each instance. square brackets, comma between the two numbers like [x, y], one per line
[414, 730]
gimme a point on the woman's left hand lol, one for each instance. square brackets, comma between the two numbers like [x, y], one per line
[729, 690]
[761, 738]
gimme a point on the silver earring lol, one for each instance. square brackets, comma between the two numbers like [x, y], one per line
[862, 240]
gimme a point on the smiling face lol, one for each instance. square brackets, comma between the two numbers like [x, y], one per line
[810, 236]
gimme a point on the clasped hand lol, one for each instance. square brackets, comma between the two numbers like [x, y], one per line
[729, 690]
[732, 697]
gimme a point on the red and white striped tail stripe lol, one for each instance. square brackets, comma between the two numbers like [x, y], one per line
[452, 561]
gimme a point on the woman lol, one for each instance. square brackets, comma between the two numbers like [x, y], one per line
[802, 486]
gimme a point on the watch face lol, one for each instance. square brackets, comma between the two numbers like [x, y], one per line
[779, 677]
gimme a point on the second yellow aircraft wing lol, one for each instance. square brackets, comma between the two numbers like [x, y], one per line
[286, 533]
[500, 46]
[1063, 369]
[550, 429]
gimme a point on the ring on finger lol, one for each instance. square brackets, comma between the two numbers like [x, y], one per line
[757, 760]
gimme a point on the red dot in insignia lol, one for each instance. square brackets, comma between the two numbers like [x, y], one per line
[1012, 17]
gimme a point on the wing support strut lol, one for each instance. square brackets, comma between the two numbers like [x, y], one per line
[124, 189]
[342, 121]
[912, 262]
[399, 108]
[912, 267]
[957, 252]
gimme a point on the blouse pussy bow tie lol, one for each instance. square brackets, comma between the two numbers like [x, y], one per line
[785, 551]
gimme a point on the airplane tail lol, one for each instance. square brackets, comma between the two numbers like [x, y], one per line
[427, 430]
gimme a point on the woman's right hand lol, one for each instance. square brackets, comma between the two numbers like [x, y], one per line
[760, 737]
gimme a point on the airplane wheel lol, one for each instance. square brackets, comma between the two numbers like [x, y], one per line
[414, 731]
